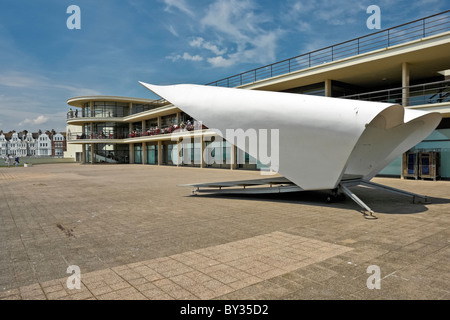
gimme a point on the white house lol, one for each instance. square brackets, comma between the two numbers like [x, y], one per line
[44, 145]
[3, 146]
[31, 144]
[17, 147]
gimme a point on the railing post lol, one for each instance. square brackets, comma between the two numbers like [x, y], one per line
[289, 69]
[389, 37]
[423, 27]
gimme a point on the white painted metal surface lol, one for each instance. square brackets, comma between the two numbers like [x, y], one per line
[320, 138]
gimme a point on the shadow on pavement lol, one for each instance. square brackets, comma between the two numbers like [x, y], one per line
[378, 200]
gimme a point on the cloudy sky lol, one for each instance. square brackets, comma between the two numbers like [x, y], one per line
[121, 42]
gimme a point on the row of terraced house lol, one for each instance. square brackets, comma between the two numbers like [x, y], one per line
[29, 144]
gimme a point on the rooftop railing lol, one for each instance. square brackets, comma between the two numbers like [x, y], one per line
[417, 29]
[426, 93]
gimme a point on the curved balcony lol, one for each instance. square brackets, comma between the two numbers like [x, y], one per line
[151, 132]
[74, 117]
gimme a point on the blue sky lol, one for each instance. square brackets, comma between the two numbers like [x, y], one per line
[121, 42]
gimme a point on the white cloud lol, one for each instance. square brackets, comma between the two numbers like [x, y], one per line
[232, 32]
[173, 31]
[186, 56]
[199, 42]
[244, 28]
[220, 61]
[180, 5]
[17, 79]
[39, 120]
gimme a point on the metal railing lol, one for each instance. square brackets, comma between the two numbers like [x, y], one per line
[101, 113]
[426, 93]
[417, 29]
[135, 133]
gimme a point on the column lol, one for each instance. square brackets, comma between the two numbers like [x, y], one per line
[405, 98]
[144, 152]
[131, 153]
[92, 154]
[328, 92]
[405, 84]
[233, 150]
[159, 152]
[91, 107]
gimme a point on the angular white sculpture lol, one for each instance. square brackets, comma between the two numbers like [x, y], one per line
[321, 140]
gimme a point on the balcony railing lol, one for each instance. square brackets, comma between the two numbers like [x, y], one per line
[426, 93]
[71, 115]
[135, 133]
[413, 30]
[99, 112]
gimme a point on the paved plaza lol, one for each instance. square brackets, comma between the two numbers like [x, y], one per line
[134, 234]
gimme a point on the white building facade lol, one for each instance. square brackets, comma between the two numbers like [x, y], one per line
[25, 145]
[44, 145]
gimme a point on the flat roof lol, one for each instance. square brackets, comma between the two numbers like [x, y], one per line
[79, 101]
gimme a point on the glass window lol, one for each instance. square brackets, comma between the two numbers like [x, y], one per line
[138, 153]
[169, 120]
[152, 154]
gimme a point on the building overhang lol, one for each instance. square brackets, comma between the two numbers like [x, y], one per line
[426, 57]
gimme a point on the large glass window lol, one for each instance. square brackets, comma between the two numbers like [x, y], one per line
[138, 153]
[169, 120]
[108, 153]
[106, 109]
[105, 130]
[140, 107]
[151, 123]
[152, 154]
[87, 153]
[217, 153]
[191, 153]
[166, 153]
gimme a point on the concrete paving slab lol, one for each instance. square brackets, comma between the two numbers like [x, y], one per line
[135, 235]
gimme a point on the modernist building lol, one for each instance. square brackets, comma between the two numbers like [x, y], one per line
[408, 65]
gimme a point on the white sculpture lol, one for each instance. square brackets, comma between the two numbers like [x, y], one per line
[322, 140]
